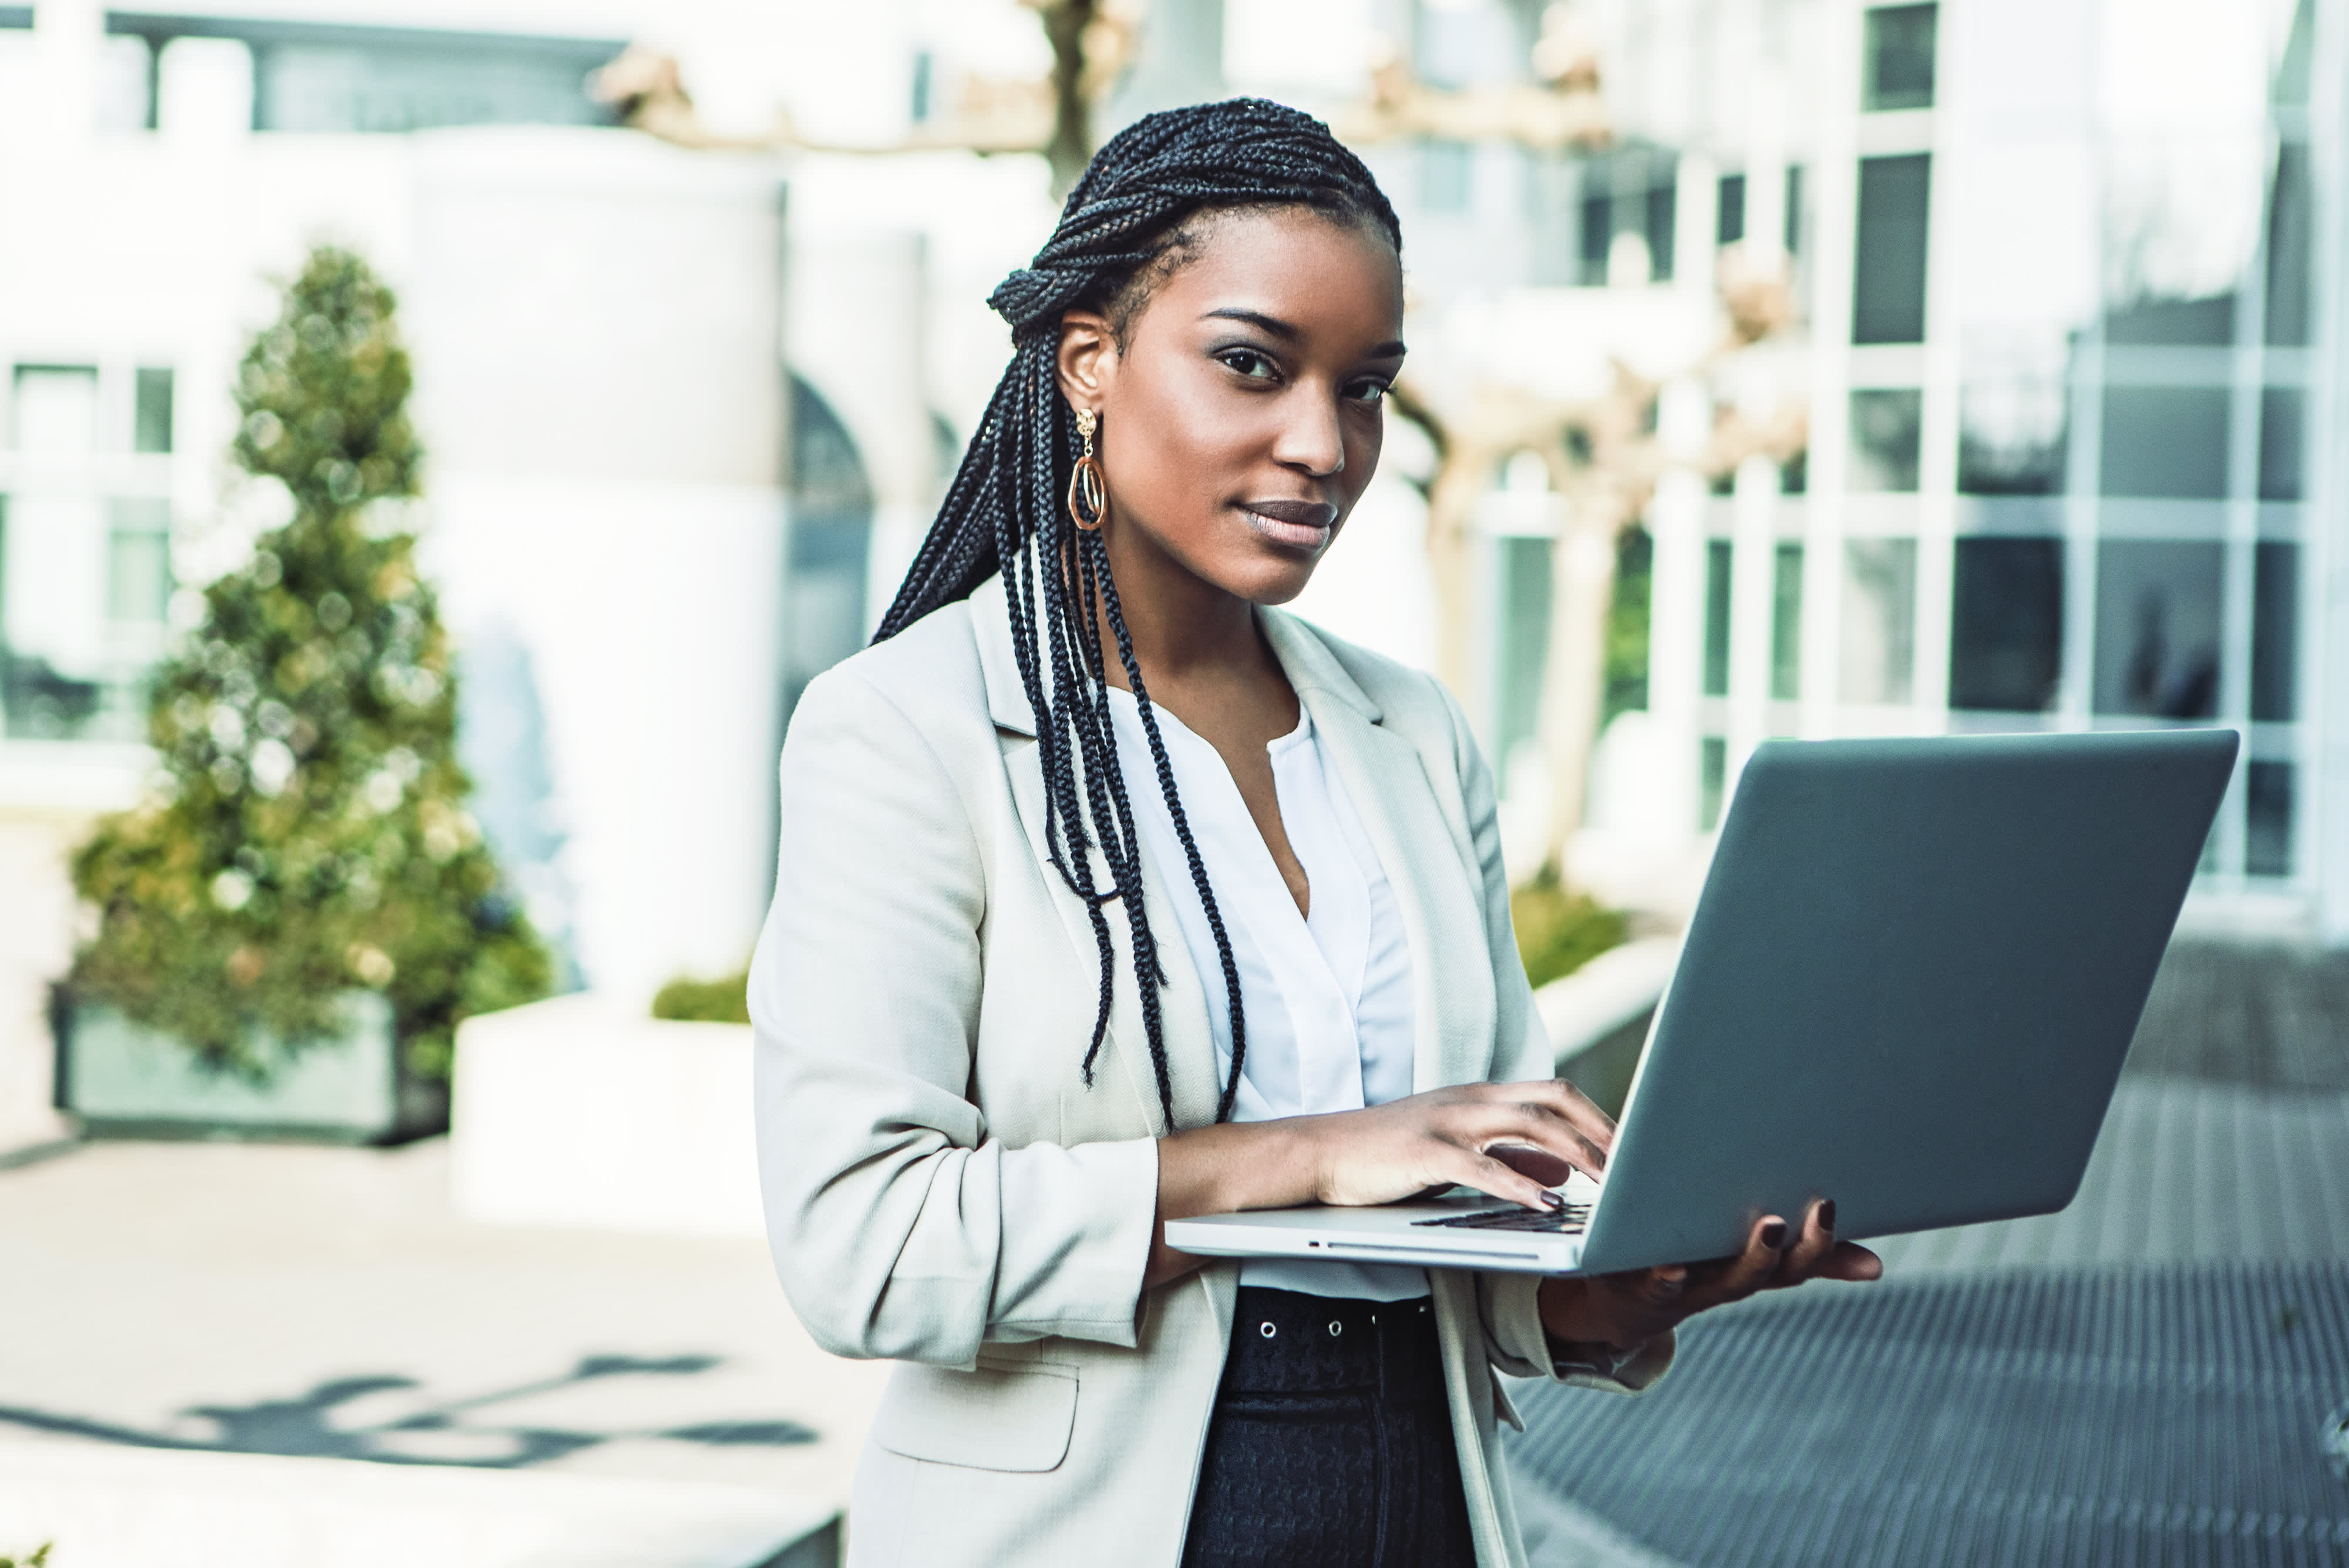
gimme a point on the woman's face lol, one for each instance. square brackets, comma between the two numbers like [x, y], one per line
[1240, 421]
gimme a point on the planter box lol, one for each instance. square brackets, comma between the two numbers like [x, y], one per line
[121, 1080]
[580, 1111]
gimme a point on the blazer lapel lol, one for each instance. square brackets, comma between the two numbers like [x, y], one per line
[1443, 921]
[1182, 1005]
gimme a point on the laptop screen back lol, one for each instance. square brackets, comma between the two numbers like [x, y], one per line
[1909, 985]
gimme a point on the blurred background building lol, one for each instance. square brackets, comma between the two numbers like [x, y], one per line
[1779, 367]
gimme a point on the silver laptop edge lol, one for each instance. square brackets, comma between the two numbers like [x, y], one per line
[1909, 984]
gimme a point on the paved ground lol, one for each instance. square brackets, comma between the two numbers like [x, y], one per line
[318, 1300]
[2142, 1417]
[2271, 1016]
[327, 1301]
[2147, 1378]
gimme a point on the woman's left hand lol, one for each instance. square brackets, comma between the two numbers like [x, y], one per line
[1627, 1309]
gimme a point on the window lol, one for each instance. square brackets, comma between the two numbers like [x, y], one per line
[1713, 781]
[1888, 268]
[1880, 620]
[2156, 321]
[831, 542]
[1522, 643]
[1598, 232]
[2166, 441]
[2275, 631]
[2006, 624]
[1717, 559]
[946, 447]
[1657, 224]
[139, 562]
[1446, 175]
[2157, 607]
[2267, 819]
[1630, 191]
[1730, 214]
[2289, 237]
[55, 410]
[921, 88]
[2280, 435]
[1886, 431]
[2012, 436]
[1728, 219]
[150, 428]
[1787, 624]
[1794, 474]
[1897, 65]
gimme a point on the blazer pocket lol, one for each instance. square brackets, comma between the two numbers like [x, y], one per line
[991, 1419]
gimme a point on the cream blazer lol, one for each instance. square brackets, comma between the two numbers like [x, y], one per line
[944, 1188]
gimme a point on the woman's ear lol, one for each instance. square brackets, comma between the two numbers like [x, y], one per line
[1087, 360]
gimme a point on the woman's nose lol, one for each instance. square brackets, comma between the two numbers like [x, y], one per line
[1311, 440]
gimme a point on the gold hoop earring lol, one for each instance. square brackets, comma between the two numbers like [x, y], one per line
[1088, 486]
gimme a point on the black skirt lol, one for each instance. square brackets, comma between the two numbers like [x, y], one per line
[1331, 1442]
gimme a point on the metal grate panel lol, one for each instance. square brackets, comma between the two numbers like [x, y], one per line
[2118, 1418]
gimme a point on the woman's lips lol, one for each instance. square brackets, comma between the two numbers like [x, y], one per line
[1300, 524]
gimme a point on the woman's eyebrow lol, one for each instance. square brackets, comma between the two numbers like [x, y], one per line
[1287, 332]
[1273, 325]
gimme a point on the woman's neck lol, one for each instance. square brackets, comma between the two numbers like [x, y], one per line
[1186, 631]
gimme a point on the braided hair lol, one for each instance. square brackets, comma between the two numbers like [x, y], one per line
[1127, 225]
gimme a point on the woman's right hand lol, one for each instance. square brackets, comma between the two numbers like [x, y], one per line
[1515, 1141]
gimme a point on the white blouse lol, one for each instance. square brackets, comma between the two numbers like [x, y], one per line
[1328, 998]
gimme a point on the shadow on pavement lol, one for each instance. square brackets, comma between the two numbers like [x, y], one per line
[460, 1431]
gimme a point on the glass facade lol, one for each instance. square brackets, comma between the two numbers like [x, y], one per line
[2070, 402]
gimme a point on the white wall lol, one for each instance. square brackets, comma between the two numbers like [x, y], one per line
[595, 327]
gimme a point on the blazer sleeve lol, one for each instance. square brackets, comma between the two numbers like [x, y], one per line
[1514, 1336]
[899, 1226]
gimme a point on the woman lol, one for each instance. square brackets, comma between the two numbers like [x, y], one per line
[1110, 895]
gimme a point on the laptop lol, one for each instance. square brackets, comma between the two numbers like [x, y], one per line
[1909, 985]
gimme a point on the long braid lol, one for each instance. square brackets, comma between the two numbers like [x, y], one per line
[1123, 227]
[1092, 545]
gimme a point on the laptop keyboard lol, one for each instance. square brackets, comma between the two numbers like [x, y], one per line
[1566, 1221]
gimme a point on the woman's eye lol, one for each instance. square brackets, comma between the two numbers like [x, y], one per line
[1368, 391]
[1248, 363]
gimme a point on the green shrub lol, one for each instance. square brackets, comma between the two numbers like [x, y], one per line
[35, 1558]
[307, 832]
[1559, 931]
[723, 1001]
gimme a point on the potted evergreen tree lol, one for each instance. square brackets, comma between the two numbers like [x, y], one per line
[291, 924]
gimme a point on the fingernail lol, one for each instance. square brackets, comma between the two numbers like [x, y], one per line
[1554, 1199]
[1774, 1234]
[1827, 1215]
